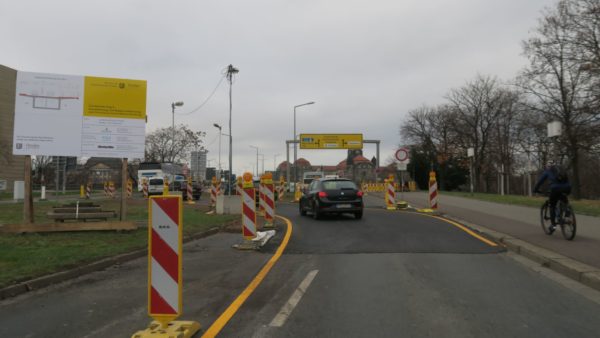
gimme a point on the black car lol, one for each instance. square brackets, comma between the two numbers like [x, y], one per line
[332, 196]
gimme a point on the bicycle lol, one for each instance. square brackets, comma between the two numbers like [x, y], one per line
[565, 217]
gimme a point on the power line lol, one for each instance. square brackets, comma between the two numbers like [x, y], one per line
[207, 99]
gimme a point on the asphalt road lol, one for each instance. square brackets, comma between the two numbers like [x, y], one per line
[390, 274]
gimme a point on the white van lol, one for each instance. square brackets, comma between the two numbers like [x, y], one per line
[155, 185]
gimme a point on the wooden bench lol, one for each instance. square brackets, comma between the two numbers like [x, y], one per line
[85, 211]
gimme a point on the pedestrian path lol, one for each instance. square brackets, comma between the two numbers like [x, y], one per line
[520, 222]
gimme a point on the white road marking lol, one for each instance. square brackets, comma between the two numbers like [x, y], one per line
[287, 308]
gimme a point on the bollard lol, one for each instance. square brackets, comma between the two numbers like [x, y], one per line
[129, 188]
[281, 188]
[111, 189]
[88, 191]
[190, 191]
[390, 195]
[432, 191]
[165, 280]
[248, 213]
[81, 191]
[297, 193]
[106, 194]
[269, 200]
[145, 187]
[165, 187]
[261, 196]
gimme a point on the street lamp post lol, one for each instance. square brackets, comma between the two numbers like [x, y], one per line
[255, 147]
[230, 72]
[295, 145]
[173, 105]
[220, 134]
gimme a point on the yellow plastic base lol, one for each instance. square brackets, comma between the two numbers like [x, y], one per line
[246, 245]
[425, 210]
[175, 329]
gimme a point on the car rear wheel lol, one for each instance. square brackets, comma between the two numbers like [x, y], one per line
[315, 212]
[302, 211]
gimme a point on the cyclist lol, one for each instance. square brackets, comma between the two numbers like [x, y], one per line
[559, 187]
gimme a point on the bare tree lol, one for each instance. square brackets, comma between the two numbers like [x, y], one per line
[558, 85]
[161, 147]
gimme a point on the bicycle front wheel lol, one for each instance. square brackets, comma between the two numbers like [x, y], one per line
[569, 224]
[545, 219]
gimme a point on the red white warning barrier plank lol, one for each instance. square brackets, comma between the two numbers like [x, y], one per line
[164, 258]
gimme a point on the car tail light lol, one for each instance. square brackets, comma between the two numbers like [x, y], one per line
[359, 194]
[322, 194]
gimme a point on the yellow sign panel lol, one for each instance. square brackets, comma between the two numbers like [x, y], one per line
[331, 141]
[116, 98]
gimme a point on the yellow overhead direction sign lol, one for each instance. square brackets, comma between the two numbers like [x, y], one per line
[331, 141]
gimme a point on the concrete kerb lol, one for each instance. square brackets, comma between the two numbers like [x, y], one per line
[55, 278]
[568, 267]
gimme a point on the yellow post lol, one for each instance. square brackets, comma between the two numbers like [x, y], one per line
[297, 193]
[166, 187]
[81, 191]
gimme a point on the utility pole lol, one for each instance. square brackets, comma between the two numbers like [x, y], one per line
[230, 72]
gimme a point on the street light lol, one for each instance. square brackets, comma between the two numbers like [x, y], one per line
[220, 134]
[262, 171]
[173, 105]
[295, 145]
[255, 147]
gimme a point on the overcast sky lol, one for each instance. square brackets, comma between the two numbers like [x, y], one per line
[364, 63]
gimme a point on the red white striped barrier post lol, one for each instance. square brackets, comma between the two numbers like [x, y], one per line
[213, 193]
[88, 190]
[129, 188]
[111, 189]
[281, 189]
[390, 200]
[248, 212]
[190, 191]
[106, 194]
[165, 281]
[261, 196]
[145, 187]
[433, 203]
[269, 195]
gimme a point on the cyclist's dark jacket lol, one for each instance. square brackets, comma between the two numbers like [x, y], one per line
[550, 175]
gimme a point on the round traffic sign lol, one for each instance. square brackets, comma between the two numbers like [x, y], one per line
[402, 154]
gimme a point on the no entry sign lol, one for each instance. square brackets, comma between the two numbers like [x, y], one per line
[402, 155]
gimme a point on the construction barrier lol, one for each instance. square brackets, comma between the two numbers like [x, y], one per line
[433, 203]
[412, 186]
[297, 192]
[269, 200]
[106, 193]
[281, 188]
[111, 189]
[165, 280]
[166, 187]
[390, 195]
[88, 191]
[145, 187]
[213, 193]
[248, 208]
[238, 186]
[261, 197]
[129, 188]
[190, 191]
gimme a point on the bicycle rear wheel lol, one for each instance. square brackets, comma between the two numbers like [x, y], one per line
[545, 219]
[569, 223]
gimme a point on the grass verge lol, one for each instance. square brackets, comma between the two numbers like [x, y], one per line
[583, 207]
[27, 256]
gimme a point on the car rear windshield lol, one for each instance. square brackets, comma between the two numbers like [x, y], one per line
[156, 181]
[338, 185]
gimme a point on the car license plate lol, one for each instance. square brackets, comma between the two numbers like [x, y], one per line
[341, 206]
